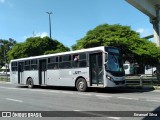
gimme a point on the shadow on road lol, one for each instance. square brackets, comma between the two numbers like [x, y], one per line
[97, 90]
[122, 90]
[51, 88]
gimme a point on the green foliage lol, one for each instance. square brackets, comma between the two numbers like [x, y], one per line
[5, 46]
[134, 48]
[34, 46]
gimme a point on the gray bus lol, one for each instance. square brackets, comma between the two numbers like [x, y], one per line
[93, 67]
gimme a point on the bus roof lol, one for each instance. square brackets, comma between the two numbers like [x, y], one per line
[62, 53]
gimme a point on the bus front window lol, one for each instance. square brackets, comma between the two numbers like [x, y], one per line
[114, 63]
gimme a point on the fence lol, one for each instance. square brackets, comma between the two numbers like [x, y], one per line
[142, 80]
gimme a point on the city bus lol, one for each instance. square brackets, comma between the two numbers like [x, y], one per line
[93, 67]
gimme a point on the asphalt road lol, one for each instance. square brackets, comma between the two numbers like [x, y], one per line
[80, 105]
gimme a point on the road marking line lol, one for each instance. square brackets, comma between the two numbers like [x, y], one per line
[14, 100]
[96, 114]
[1, 87]
[84, 94]
[67, 93]
[128, 98]
[36, 90]
[152, 100]
[76, 110]
[7, 88]
[103, 96]
[13, 88]
[54, 91]
[115, 118]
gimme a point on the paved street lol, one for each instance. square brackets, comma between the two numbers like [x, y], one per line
[14, 98]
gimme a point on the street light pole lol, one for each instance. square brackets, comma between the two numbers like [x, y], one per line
[49, 13]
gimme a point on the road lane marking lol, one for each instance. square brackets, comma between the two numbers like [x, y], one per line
[14, 100]
[7, 88]
[84, 94]
[77, 110]
[115, 118]
[67, 93]
[103, 96]
[96, 114]
[151, 100]
[128, 98]
[13, 88]
[36, 90]
[54, 91]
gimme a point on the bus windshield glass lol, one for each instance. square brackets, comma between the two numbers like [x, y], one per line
[113, 60]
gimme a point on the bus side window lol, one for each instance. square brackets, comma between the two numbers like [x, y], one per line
[53, 63]
[83, 60]
[14, 66]
[65, 61]
[79, 60]
[75, 60]
[34, 64]
[27, 65]
[83, 63]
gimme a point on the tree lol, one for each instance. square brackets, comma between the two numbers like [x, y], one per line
[34, 46]
[5, 46]
[134, 48]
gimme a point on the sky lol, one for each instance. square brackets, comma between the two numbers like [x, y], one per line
[70, 21]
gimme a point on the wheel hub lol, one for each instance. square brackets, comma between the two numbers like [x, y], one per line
[81, 85]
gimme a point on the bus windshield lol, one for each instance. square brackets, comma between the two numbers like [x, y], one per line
[114, 63]
[113, 60]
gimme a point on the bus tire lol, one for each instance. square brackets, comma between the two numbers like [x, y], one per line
[81, 85]
[154, 73]
[30, 83]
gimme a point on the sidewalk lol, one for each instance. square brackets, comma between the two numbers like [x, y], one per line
[4, 82]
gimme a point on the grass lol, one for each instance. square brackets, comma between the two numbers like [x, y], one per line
[5, 78]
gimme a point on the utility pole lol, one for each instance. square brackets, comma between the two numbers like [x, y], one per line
[49, 13]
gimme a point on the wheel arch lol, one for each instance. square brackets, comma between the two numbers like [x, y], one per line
[78, 78]
[28, 79]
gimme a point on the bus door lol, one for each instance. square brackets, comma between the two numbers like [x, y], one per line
[20, 72]
[96, 68]
[42, 72]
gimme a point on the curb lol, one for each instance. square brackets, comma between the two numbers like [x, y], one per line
[5, 82]
[156, 87]
[142, 88]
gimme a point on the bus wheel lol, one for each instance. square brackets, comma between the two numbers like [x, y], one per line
[30, 83]
[81, 85]
[154, 73]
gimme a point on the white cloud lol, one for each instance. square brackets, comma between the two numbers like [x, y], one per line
[43, 34]
[2, 1]
[35, 34]
[144, 32]
[140, 30]
[6, 2]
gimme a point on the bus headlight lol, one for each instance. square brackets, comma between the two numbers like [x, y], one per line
[110, 78]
